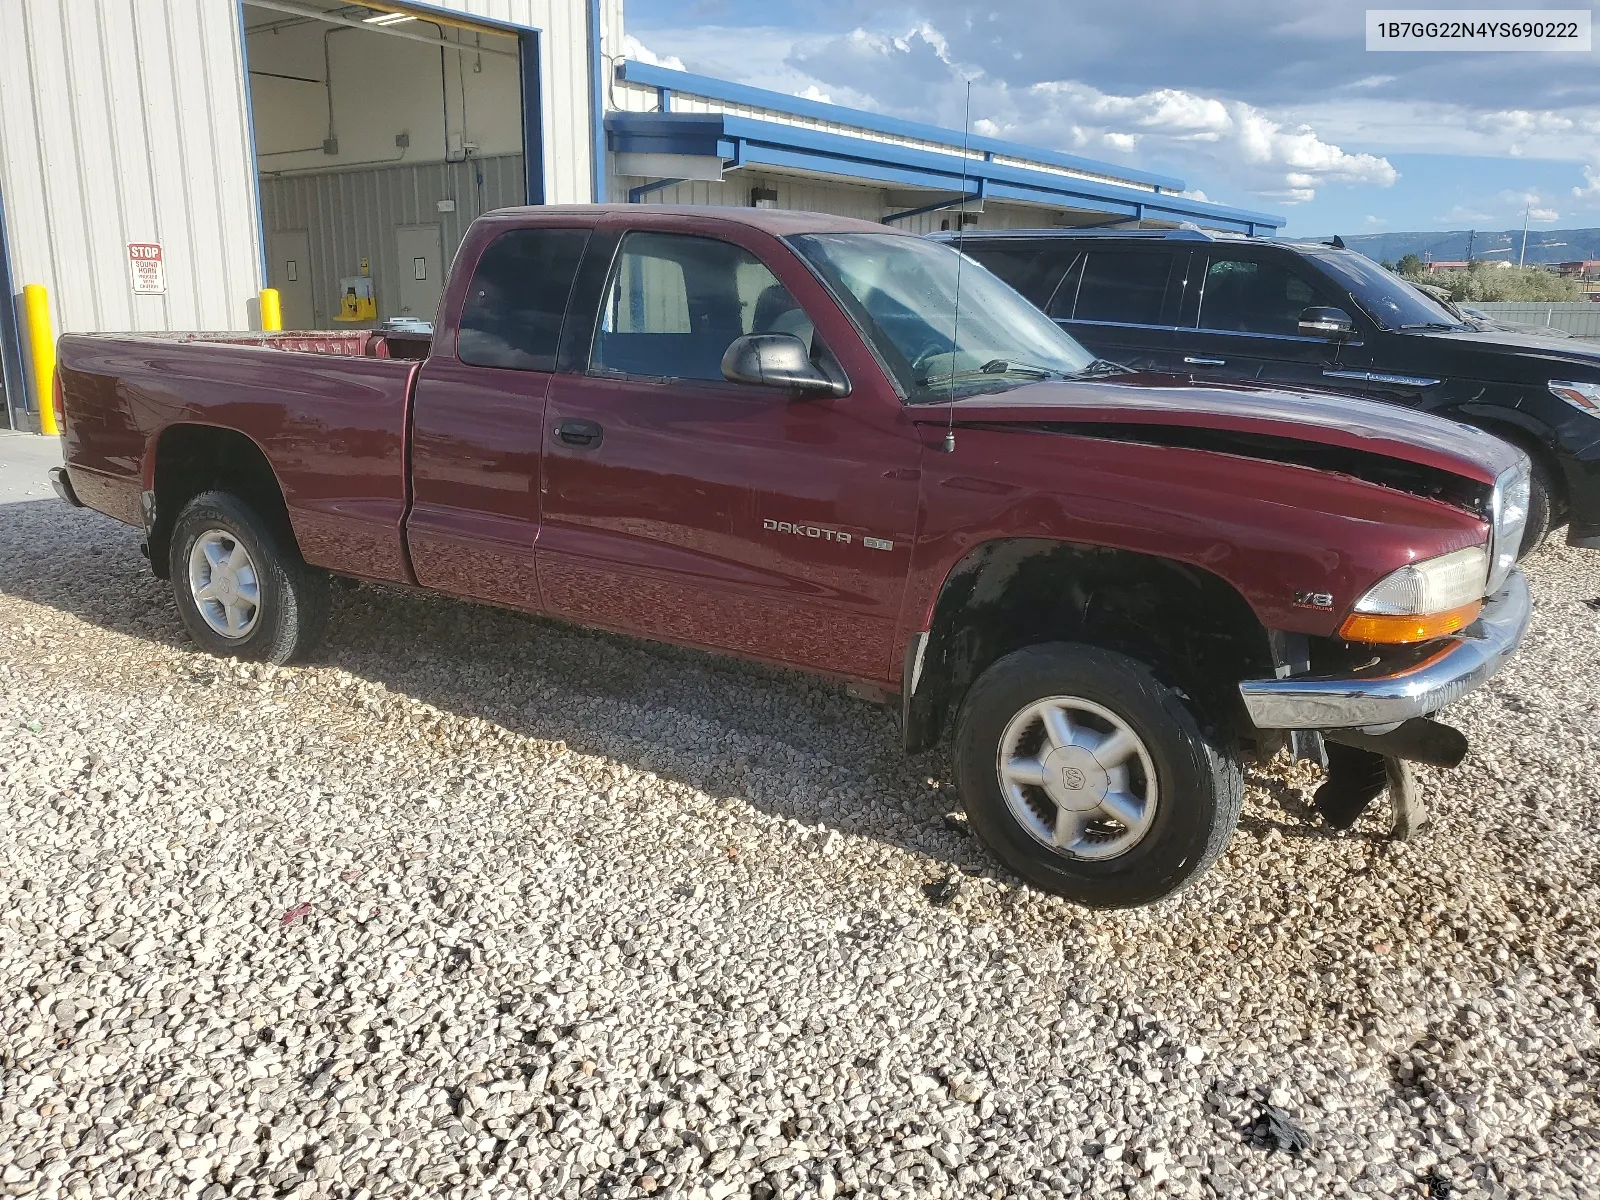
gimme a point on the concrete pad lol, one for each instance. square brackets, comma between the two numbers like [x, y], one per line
[24, 459]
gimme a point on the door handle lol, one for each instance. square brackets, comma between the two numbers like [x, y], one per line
[585, 435]
[1205, 362]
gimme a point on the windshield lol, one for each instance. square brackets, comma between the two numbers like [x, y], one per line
[902, 293]
[1387, 299]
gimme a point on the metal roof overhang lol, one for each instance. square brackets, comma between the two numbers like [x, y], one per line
[737, 142]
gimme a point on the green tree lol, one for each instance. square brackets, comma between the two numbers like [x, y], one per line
[1410, 264]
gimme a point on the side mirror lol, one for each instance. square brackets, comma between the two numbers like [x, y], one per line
[777, 360]
[1331, 323]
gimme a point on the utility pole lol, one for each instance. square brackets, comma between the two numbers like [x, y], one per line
[1472, 236]
[1522, 258]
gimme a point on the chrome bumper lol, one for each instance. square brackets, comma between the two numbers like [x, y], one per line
[1379, 696]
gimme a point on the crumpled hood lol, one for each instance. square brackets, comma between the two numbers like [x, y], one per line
[1166, 402]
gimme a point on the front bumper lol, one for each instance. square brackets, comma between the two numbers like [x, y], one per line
[1382, 695]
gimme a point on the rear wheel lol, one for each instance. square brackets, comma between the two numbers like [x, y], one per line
[1090, 778]
[241, 591]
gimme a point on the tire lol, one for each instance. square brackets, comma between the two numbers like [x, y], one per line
[1198, 789]
[281, 603]
[1541, 511]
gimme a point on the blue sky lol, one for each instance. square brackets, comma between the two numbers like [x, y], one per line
[1256, 103]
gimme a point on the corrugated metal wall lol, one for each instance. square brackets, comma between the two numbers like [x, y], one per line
[353, 214]
[569, 141]
[125, 121]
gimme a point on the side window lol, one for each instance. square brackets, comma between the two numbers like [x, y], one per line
[1243, 295]
[1033, 268]
[518, 296]
[675, 303]
[1125, 286]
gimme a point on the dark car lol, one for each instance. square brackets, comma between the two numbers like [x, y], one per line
[1231, 308]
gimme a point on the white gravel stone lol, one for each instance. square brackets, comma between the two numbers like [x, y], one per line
[478, 905]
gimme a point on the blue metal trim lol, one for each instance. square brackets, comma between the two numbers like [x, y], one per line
[255, 162]
[11, 369]
[635, 195]
[738, 93]
[532, 73]
[697, 134]
[597, 101]
[664, 99]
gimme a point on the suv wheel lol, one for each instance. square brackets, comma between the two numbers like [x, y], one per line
[1541, 511]
[1090, 778]
[241, 592]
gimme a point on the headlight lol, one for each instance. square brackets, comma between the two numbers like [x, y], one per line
[1508, 516]
[1423, 600]
[1580, 395]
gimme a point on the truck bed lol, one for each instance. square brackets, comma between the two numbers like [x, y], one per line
[326, 409]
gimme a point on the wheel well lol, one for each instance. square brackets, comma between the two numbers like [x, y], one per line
[1531, 444]
[191, 459]
[1190, 627]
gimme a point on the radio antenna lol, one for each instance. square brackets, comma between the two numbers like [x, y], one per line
[961, 233]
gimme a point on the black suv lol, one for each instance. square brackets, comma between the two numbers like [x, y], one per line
[1310, 314]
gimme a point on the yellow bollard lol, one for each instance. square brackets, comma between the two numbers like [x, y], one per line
[42, 352]
[271, 310]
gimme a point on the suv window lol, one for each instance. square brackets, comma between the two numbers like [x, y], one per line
[1123, 286]
[676, 302]
[1033, 268]
[518, 296]
[1248, 295]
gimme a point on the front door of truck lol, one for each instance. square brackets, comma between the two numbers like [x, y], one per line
[478, 418]
[685, 507]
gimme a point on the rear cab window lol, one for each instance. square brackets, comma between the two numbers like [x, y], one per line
[518, 298]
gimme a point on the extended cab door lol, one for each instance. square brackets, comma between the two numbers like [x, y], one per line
[478, 419]
[682, 506]
[1244, 322]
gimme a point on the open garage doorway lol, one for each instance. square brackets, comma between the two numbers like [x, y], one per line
[380, 133]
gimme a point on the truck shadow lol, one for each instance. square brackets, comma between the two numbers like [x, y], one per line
[783, 742]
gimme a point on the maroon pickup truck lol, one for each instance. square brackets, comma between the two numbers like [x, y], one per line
[779, 435]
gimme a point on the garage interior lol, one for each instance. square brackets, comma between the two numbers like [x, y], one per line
[380, 135]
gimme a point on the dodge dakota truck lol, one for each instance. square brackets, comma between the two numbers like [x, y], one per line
[821, 443]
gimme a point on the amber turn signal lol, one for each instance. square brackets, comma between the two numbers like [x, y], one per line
[1398, 630]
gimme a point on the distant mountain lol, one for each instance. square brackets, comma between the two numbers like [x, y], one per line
[1544, 245]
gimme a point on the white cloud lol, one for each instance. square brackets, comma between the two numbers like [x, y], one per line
[1543, 214]
[1591, 188]
[633, 48]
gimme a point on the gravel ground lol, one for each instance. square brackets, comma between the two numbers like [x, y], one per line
[479, 905]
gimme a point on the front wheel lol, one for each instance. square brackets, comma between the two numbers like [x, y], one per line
[1090, 778]
[1541, 511]
[241, 591]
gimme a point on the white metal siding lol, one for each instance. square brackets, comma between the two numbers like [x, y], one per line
[124, 121]
[353, 214]
[568, 133]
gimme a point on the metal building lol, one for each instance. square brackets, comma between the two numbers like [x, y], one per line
[162, 161]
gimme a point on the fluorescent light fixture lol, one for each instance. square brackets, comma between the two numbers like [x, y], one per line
[388, 18]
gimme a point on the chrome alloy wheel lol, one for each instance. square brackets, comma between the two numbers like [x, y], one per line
[1077, 778]
[222, 580]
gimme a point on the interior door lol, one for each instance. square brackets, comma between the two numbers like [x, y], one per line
[289, 270]
[418, 254]
[1248, 325]
[685, 507]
